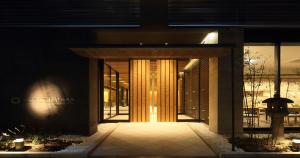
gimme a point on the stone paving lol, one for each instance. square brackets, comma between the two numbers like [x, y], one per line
[153, 139]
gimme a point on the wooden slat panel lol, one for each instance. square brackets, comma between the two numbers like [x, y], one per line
[175, 90]
[131, 91]
[163, 90]
[140, 82]
[139, 90]
[166, 86]
[158, 90]
[147, 90]
[166, 90]
[172, 105]
[135, 81]
[143, 90]
[167, 81]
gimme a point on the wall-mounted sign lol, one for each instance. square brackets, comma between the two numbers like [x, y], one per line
[47, 99]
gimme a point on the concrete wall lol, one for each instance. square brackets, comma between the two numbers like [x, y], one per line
[220, 99]
[93, 95]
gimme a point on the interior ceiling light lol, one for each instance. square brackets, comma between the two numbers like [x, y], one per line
[191, 63]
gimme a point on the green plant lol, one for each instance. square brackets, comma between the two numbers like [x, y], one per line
[7, 136]
[6, 144]
[36, 139]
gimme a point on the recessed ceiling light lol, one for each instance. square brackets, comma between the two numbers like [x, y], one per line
[210, 38]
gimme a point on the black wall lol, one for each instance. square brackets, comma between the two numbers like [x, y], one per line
[140, 12]
[32, 57]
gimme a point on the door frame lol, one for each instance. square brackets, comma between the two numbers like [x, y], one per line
[227, 48]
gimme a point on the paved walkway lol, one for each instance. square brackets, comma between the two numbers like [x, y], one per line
[153, 139]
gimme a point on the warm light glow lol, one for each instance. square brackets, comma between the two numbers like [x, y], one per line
[153, 113]
[297, 141]
[45, 99]
[19, 140]
[191, 63]
[106, 95]
[211, 38]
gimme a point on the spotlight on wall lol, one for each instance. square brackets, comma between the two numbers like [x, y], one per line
[45, 99]
[211, 38]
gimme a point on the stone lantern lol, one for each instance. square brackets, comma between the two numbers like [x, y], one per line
[277, 108]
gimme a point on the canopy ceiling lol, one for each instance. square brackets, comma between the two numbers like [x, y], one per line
[166, 52]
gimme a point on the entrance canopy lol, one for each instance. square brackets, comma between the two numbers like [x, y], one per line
[154, 52]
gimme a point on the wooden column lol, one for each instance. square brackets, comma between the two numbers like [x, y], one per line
[166, 90]
[140, 90]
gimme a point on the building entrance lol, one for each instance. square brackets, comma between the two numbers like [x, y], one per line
[153, 90]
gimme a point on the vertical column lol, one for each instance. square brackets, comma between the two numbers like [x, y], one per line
[220, 87]
[93, 95]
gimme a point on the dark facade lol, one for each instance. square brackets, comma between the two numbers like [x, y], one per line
[32, 63]
[36, 38]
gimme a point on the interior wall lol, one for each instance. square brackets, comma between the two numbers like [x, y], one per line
[204, 90]
[166, 90]
[140, 90]
[191, 90]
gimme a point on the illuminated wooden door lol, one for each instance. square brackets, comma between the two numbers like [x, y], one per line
[142, 92]
[166, 90]
[139, 90]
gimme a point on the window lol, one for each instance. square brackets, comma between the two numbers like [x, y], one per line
[259, 83]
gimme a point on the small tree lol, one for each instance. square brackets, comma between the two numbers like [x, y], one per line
[254, 68]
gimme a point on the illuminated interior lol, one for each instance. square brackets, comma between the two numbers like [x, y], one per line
[157, 99]
[116, 92]
[262, 86]
[153, 92]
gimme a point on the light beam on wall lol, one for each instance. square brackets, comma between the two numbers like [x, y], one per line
[45, 99]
